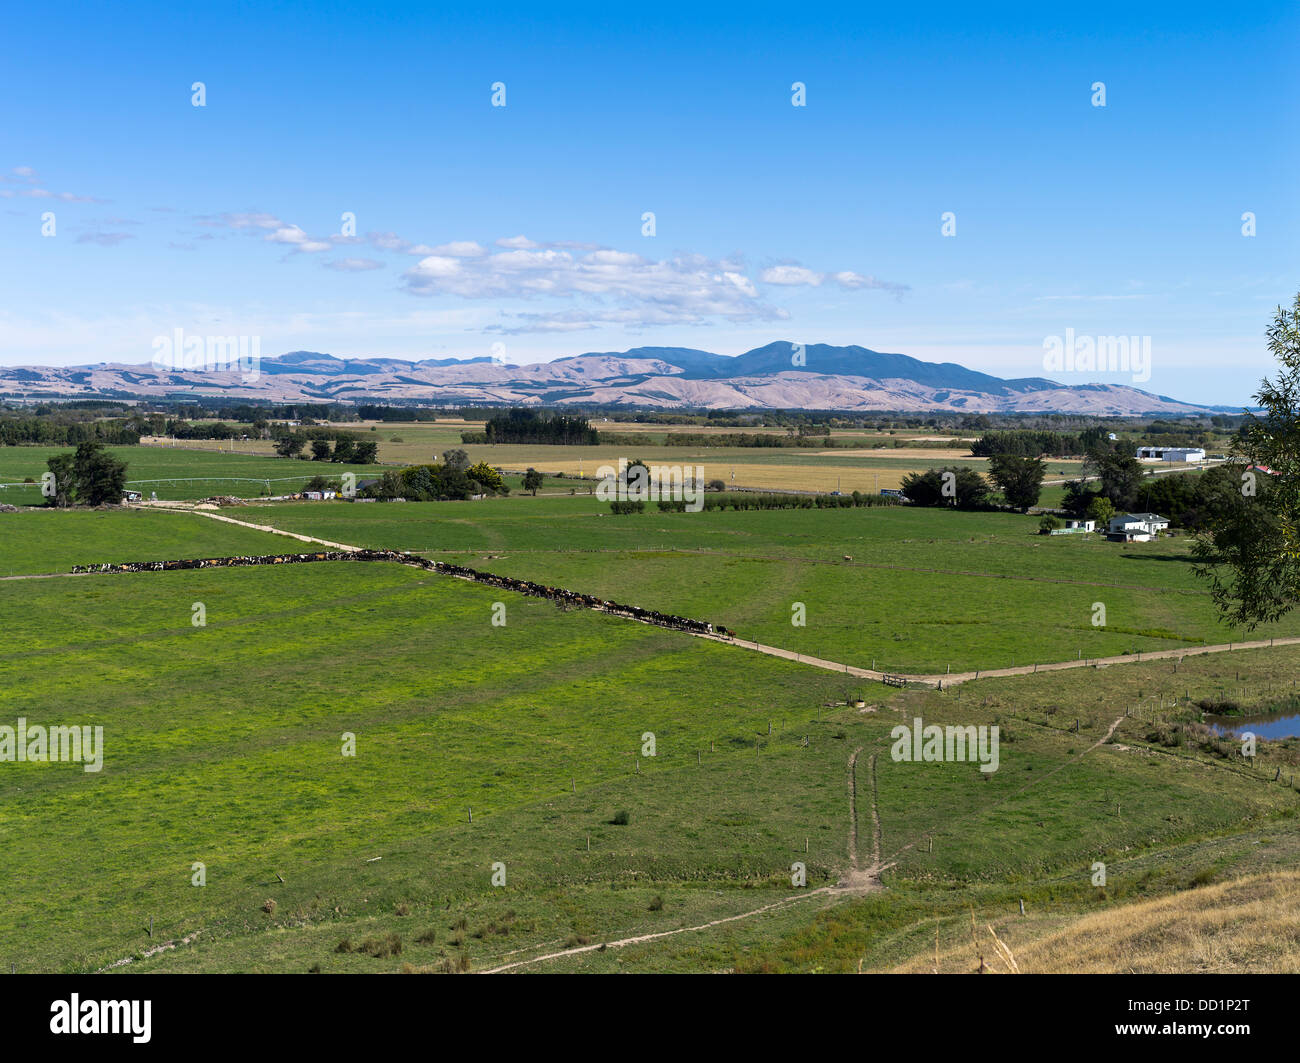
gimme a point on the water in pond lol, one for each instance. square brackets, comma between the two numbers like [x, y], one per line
[1260, 726]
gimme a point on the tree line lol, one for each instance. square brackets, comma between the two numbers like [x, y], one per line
[58, 431]
[347, 448]
[530, 426]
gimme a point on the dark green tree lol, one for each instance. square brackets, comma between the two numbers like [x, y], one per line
[89, 477]
[1118, 474]
[532, 481]
[961, 488]
[63, 491]
[1019, 479]
[289, 446]
[1249, 550]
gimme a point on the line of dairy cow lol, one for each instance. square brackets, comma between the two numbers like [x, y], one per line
[520, 586]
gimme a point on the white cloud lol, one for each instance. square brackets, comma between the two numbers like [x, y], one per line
[790, 275]
[388, 241]
[459, 249]
[798, 276]
[610, 286]
[296, 238]
[435, 268]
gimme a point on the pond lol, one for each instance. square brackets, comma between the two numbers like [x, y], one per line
[1260, 726]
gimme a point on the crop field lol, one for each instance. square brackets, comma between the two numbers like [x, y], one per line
[926, 590]
[884, 462]
[519, 749]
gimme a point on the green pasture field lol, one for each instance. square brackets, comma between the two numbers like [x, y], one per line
[49, 541]
[926, 589]
[222, 745]
[193, 472]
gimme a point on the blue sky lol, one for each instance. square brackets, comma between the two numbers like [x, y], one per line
[517, 230]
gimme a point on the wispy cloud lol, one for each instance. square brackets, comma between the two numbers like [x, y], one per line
[104, 239]
[353, 265]
[33, 187]
[791, 276]
[604, 286]
[682, 289]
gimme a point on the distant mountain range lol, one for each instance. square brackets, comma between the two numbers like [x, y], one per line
[776, 376]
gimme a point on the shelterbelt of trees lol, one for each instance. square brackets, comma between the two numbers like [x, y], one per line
[66, 430]
[530, 426]
[754, 500]
[1035, 443]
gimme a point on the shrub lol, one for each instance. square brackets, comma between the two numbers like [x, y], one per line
[621, 818]
[656, 903]
[381, 948]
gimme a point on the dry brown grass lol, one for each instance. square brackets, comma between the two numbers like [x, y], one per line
[1246, 925]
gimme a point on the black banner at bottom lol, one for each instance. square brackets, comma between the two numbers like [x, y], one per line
[287, 1012]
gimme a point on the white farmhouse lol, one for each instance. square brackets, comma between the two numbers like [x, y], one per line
[1137, 527]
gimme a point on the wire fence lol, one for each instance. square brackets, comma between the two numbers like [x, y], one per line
[265, 481]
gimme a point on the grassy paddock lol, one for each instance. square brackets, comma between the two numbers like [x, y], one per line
[926, 589]
[223, 745]
[44, 541]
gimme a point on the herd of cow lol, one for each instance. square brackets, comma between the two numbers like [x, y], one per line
[519, 586]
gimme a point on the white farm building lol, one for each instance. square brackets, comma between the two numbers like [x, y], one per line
[1171, 453]
[1137, 527]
